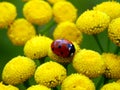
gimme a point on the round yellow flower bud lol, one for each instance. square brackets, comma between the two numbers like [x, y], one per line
[7, 87]
[18, 70]
[50, 74]
[61, 59]
[37, 47]
[68, 30]
[89, 62]
[92, 22]
[111, 8]
[20, 31]
[112, 63]
[114, 31]
[64, 11]
[7, 13]
[37, 12]
[38, 87]
[54, 1]
[111, 86]
[77, 82]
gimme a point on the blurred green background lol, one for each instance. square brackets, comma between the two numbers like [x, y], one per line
[8, 50]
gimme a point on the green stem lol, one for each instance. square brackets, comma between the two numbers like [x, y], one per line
[98, 85]
[103, 80]
[108, 45]
[106, 80]
[47, 28]
[42, 60]
[26, 83]
[117, 50]
[99, 44]
[54, 88]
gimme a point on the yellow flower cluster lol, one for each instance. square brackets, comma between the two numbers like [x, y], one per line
[37, 12]
[92, 22]
[111, 86]
[114, 31]
[77, 82]
[37, 47]
[18, 70]
[112, 63]
[89, 62]
[111, 8]
[67, 30]
[20, 31]
[7, 87]
[50, 74]
[7, 14]
[61, 59]
[85, 62]
[64, 11]
[38, 87]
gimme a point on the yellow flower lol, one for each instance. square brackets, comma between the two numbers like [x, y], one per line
[37, 47]
[67, 30]
[7, 13]
[38, 87]
[114, 31]
[50, 74]
[54, 1]
[7, 87]
[18, 70]
[38, 12]
[112, 63]
[20, 31]
[111, 8]
[111, 86]
[92, 22]
[61, 59]
[77, 82]
[89, 62]
[64, 11]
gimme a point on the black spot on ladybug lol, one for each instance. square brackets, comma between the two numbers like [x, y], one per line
[61, 53]
[59, 46]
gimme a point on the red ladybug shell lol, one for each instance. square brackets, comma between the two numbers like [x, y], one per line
[63, 48]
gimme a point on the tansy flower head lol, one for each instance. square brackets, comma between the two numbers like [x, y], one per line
[64, 11]
[61, 59]
[67, 30]
[50, 74]
[7, 87]
[38, 87]
[114, 31]
[37, 11]
[112, 63]
[7, 13]
[89, 62]
[111, 86]
[92, 22]
[20, 31]
[37, 47]
[54, 1]
[17, 70]
[77, 82]
[111, 8]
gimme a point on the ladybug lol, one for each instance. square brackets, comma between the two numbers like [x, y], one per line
[63, 48]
